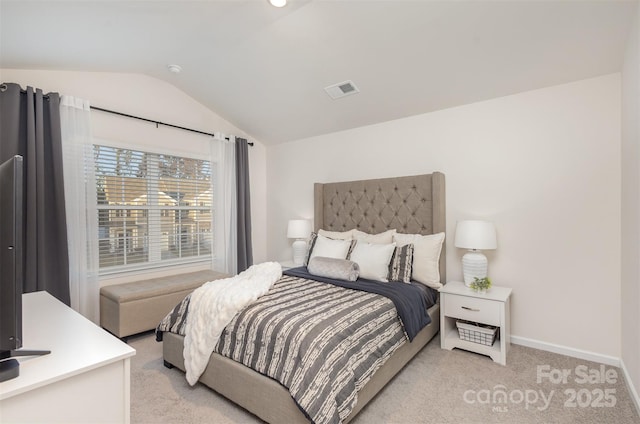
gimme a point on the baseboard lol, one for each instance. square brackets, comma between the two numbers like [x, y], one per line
[568, 351]
[632, 389]
[587, 356]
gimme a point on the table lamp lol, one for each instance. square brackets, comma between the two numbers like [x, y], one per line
[475, 236]
[299, 229]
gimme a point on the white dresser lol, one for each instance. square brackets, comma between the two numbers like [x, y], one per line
[85, 378]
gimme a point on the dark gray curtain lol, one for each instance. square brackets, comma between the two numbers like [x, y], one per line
[245, 249]
[30, 127]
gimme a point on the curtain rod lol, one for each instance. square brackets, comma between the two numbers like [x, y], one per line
[46, 96]
[250, 143]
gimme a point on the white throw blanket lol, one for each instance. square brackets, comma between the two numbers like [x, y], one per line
[214, 304]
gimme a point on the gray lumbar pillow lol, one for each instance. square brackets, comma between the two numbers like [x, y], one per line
[340, 269]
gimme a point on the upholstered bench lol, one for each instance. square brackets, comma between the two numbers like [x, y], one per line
[132, 308]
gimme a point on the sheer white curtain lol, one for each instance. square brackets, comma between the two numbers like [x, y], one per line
[225, 216]
[80, 202]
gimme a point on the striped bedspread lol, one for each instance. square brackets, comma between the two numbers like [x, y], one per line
[322, 342]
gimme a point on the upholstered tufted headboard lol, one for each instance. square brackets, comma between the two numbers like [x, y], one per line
[411, 205]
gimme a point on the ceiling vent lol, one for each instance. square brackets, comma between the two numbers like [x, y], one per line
[341, 89]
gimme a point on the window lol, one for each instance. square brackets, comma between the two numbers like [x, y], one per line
[153, 209]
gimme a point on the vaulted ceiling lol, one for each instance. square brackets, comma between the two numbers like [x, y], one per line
[264, 69]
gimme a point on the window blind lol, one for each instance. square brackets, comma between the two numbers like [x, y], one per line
[153, 209]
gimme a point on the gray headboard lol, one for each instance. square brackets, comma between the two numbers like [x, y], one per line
[411, 205]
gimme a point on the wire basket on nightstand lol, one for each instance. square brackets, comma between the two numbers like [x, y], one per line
[472, 332]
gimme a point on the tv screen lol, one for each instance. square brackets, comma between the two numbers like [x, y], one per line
[11, 255]
[12, 259]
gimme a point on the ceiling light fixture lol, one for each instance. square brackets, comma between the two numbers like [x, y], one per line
[174, 69]
[278, 3]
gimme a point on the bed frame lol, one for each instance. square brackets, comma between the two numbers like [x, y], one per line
[414, 205]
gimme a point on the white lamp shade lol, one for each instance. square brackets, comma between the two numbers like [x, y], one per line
[298, 229]
[476, 235]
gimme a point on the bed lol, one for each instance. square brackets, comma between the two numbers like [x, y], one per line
[411, 205]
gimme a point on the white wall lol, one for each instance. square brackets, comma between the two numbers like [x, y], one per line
[543, 165]
[158, 100]
[631, 207]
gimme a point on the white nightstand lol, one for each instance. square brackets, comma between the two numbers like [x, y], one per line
[458, 302]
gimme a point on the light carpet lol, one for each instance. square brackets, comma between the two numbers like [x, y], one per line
[437, 386]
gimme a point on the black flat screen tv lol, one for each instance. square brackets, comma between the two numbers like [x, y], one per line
[11, 264]
[12, 267]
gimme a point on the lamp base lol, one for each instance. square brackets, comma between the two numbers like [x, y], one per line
[299, 252]
[474, 265]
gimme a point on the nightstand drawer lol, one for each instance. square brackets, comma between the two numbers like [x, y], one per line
[472, 309]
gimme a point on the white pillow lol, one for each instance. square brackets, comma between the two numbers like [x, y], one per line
[426, 256]
[337, 235]
[381, 238]
[373, 260]
[330, 248]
